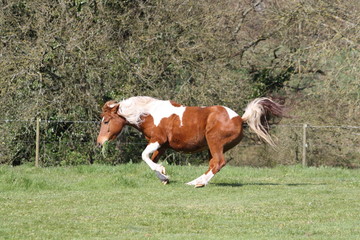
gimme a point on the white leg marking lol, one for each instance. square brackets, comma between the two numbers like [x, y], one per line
[159, 170]
[202, 180]
[152, 147]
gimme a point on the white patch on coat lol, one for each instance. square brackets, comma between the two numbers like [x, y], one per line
[133, 108]
[230, 112]
[164, 109]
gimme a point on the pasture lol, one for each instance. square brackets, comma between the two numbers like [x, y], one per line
[129, 202]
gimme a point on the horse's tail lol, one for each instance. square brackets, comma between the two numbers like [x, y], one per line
[257, 114]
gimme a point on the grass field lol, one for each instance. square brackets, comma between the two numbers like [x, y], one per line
[128, 202]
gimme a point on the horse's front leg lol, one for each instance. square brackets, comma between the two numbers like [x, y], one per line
[157, 154]
[159, 169]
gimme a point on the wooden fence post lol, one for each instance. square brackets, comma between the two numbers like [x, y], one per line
[304, 163]
[37, 144]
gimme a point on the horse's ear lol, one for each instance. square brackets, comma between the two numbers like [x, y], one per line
[111, 106]
[114, 107]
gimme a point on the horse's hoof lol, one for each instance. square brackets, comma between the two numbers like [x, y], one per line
[199, 185]
[162, 170]
[163, 178]
[165, 182]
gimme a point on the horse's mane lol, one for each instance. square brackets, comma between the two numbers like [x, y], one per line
[133, 108]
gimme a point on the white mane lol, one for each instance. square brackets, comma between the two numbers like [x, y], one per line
[133, 108]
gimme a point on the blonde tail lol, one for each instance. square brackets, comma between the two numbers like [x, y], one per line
[257, 114]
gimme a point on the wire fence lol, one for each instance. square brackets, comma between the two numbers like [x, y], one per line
[64, 142]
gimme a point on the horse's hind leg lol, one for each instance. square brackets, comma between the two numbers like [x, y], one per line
[216, 163]
[218, 144]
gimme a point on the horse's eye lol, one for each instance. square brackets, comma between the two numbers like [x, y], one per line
[105, 121]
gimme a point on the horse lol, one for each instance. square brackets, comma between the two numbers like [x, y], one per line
[167, 124]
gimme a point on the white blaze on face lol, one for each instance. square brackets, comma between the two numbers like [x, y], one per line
[230, 112]
[164, 109]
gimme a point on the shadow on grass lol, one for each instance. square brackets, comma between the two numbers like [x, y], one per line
[264, 184]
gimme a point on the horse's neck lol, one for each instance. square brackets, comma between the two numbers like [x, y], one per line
[143, 127]
[139, 127]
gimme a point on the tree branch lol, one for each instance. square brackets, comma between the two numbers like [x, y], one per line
[249, 45]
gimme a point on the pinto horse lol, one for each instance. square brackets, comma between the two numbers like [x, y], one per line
[167, 124]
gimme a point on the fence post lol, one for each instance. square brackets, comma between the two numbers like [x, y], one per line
[304, 163]
[37, 143]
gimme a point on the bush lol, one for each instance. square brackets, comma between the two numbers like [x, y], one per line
[63, 61]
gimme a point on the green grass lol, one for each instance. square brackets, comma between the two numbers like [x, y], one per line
[128, 202]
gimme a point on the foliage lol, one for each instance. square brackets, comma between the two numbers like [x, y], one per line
[62, 60]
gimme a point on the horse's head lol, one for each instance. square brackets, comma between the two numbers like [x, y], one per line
[111, 123]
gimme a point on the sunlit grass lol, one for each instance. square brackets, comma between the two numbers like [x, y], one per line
[128, 202]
